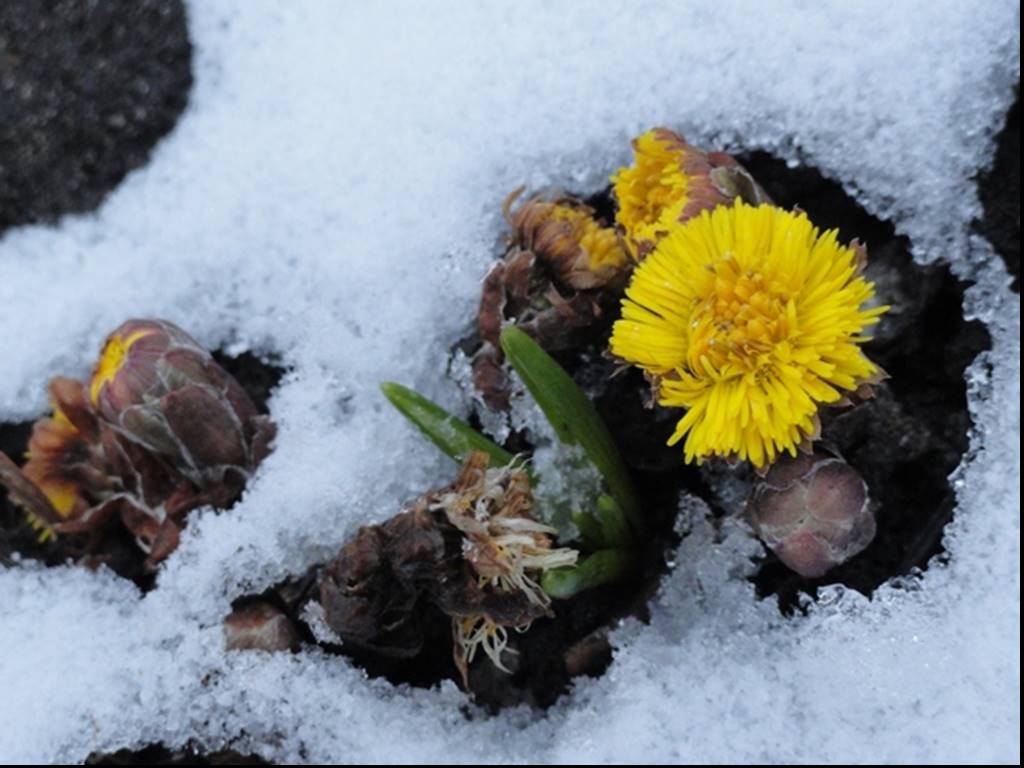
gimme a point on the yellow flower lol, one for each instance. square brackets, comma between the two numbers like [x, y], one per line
[670, 182]
[115, 355]
[749, 318]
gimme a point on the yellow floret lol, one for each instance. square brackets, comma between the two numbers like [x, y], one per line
[600, 244]
[653, 192]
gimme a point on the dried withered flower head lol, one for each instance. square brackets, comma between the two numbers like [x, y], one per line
[374, 591]
[563, 271]
[159, 430]
[749, 318]
[672, 181]
[813, 512]
[507, 548]
[472, 549]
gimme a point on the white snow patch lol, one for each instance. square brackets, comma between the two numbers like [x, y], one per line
[332, 195]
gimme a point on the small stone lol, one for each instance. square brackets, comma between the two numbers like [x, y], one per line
[259, 627]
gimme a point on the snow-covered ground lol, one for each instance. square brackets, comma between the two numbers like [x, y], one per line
[332, 196]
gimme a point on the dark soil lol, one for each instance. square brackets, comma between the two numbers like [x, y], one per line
[86, 91]
[116, 548]
[158, 754]
[906, 441]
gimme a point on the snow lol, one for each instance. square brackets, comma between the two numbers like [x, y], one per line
[332, 196]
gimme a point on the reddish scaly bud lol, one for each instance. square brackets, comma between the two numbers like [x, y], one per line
[159, 430]
[561, 278]
[158, 387]
[813, 511]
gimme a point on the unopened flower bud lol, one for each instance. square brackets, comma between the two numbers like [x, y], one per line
[158, 387]
[813, 512]
[568, 239]
[560, 280]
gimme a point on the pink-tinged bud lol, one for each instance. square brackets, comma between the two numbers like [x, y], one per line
[813, 511]
[158, 387]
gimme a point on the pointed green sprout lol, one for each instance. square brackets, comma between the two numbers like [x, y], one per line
[605, 566]
[449, 433]
[592, 535]
[572, 415]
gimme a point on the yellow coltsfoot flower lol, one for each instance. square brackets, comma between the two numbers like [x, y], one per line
[670, 182]
[750, 318]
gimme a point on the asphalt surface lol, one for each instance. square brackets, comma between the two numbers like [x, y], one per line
[87, 88]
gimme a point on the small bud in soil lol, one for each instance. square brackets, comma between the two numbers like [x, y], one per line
[813, 511]
[259, 627]
[158, 387]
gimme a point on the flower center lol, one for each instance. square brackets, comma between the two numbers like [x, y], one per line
[739, 319]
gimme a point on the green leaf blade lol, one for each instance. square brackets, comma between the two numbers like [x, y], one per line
[572, 415]
[605, 566]
[449, 433]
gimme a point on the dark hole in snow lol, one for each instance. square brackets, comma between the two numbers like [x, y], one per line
[118, 549]
[87, 90]
[999, 190]
[906, 441]
[158, 754]
[258, 376]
